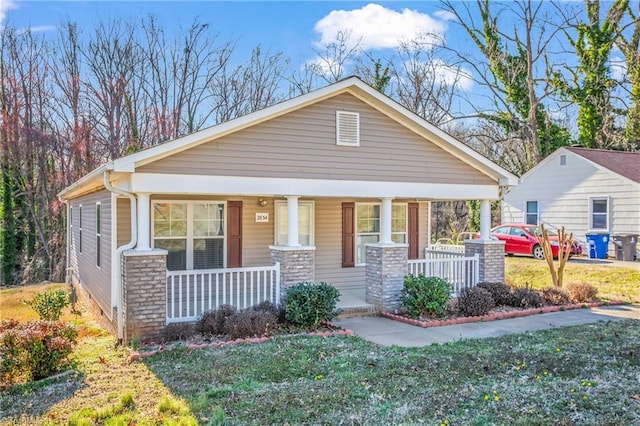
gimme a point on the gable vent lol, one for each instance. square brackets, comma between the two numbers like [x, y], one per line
[347, 128]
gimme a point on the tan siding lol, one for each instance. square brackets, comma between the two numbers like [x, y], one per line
[96, 280]
[123, 215]
[302, 144]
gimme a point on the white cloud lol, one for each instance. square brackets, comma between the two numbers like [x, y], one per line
[378, 27]
[618, 68]
[452, 75]
[6, 6]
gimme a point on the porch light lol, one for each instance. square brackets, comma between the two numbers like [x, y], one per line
[262, 202]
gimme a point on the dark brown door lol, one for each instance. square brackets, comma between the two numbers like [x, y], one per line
[413, 231]
[234, 234]
[348, 235]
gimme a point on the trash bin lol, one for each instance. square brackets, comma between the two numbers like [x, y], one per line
[598, 245]
[625, 246]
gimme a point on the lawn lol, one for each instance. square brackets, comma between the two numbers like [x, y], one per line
[613, 283]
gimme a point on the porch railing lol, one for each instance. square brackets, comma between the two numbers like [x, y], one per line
[460, 271]
[190, 293]
[439, 251]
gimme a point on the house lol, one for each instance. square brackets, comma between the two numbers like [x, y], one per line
[585, 190]
[331, 186]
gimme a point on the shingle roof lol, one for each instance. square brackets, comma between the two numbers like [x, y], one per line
[624, 163]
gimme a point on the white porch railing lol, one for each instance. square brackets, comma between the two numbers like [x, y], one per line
[190, 293]
[460, 271]
[439, 251]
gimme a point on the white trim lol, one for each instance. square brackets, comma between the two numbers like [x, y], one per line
[251, 186]
[593, 198]
[279, 203]
[144, 221]
[79, 229]
[98, 259]
[114, 251]
[340, 116]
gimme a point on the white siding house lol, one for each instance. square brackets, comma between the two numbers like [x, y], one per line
[584, 190]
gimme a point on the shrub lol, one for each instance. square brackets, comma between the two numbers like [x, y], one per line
[582, 292]
[500, 292]
[556, 296]
[35, 349]
[527, 298]
[307, 304]
[249, 323]
[49, 304]
[475, 301]
[177, 331]
[212, 322]
[425, 296]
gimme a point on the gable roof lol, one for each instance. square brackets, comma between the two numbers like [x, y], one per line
[351, 85]
[624, 163]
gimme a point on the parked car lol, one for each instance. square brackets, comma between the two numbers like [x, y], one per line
[520, 238]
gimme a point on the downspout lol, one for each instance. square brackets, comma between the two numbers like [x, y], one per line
[131, 244]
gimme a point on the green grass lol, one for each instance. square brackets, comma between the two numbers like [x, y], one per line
[613, 283]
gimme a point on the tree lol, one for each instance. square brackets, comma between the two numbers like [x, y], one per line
[630, 48]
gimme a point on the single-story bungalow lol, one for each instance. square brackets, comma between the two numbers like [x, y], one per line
[331, 186]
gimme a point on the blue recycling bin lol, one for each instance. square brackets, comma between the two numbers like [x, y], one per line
[598, 245]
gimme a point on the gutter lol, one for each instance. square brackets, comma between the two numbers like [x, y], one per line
[131, 244]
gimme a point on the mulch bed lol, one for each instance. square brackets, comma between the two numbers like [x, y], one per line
[497, 314]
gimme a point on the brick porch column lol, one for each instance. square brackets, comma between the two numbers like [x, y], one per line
[491, 254]
[386, 267]
[144, 286]
[297, 264]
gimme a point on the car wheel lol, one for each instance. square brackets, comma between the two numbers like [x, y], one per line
[538, 253]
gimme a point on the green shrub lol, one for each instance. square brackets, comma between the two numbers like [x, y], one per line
[35, 349]
[556, 296]
[582, 292]
[49, 304]
[500, 292]
[425, 296]
[307, 304]
[527, 298]
[475, 301]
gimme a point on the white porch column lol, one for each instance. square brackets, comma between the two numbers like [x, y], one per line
[292, 221]
[144, 221]
[485, 220]
[429, 230]
[385, 221]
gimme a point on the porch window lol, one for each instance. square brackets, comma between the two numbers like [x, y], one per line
[599, 213]
[192, 232]
[368, 226]
[532, 213]
[305, 223]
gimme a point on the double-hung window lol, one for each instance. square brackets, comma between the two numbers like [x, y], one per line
[193, 232]
[368, 226]
[599, 213]
[532, 213]
[305, 223]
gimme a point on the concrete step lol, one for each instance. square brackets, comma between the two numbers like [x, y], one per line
[358, 311]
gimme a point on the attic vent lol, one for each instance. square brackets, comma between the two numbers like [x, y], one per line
[347, 128]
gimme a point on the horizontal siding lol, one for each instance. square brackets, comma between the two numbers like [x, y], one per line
[302, 144]
[96, 280]
[123, 217]
[563, 195]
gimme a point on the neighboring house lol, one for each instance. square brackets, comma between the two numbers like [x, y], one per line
[355, 170]
[584, 190]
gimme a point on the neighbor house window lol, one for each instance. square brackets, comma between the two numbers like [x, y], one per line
[532, 213]
[193, 233]
[368, 226]
[305, 223]
[563, 160]
[98, 233]
[599, 213]
[80, 228]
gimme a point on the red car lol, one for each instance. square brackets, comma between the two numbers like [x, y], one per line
[520, 238]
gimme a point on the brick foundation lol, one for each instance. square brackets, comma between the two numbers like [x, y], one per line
[491, 254]
[144, 282]
[385, 271]
[297, 264]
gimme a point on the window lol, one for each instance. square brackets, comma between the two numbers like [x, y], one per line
[368, 226]
[532, 213]
[192, 232]
[347, 128]
[305, 223]
[80, 228]
[98, 233]
[563, 160]
[599, 213]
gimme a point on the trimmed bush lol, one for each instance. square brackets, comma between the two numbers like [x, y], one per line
[425, 296]
[475, 301]
[49, 304]
[250, 323]
[35, 349]
[582, 292]
[556, 296]
[276, 310]
[527, 298]
[500, 292]
[308, 305]
[177, 331]
[212, 322]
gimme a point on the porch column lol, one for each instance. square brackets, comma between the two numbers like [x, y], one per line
[144, 221]
[292, 221]
[429, 229]
[385, 221]
[485, 220]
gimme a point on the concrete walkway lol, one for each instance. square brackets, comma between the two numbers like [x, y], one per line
[386, 332]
